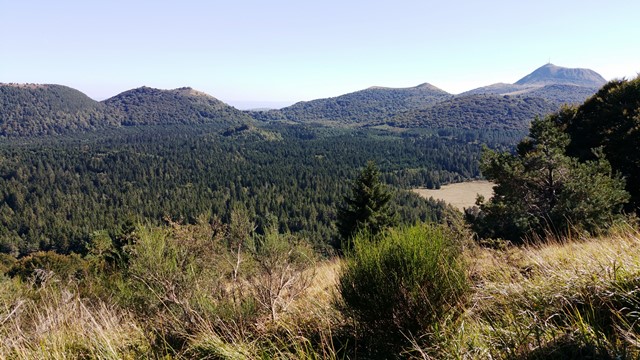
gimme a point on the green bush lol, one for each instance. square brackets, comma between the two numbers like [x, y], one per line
[399, 284]
[42, 265]
[6, 262]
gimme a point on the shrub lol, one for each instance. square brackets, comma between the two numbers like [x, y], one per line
[399, 284]
[285, 270]
[40, 266]
[6, 262]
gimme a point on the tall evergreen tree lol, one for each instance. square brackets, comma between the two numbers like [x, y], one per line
[367, 209]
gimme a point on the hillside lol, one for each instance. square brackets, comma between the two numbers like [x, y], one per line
[41, 109]
[364, 106]
[500, 105]
[32, 110]
[477, 112]
[553, 83]
[549, 74]
[574, 299]
[149, 106]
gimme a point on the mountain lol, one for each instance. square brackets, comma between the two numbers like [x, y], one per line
[33, 110]
[543, 91]
[149, 106]
[550, 82]
[550, 74]
[479, 111]
[364, 106]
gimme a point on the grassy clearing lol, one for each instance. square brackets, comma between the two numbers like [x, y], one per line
[460, 195]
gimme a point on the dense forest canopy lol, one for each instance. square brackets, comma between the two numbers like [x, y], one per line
[57, 191]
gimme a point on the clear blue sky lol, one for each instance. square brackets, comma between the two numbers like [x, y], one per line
[250, 53]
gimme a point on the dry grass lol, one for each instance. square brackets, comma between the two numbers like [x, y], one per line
[52, 322]
[460, 195]
[576, 298]
[304, 331]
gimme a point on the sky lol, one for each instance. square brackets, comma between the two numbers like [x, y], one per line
[252, 53]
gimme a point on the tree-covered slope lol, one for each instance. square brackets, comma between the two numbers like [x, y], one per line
[372, 104]
[477, 112]
[562, 94]
[35, 110]
[32, 110]
[149, 106]
[556, 93]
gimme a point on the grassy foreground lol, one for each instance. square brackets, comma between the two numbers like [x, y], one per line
[572, 299]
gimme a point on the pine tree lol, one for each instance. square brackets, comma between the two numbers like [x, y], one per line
[610, 119]
[367, 209]
[541, 189]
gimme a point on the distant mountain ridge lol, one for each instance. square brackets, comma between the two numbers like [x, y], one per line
[553, 83]
[372, 104]
[543, 91]
[34, 110]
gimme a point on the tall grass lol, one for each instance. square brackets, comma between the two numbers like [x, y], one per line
[564, 299]
[53, 322]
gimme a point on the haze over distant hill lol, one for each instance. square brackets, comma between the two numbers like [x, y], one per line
[550, 74]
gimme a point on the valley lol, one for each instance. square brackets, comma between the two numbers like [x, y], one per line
[168, 224]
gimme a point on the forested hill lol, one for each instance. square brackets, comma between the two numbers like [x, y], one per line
[500, 105]
[34, 110]
[364, 106]
[149, 106]
[477, 112]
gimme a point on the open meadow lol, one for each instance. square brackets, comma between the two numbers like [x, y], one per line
[460, 195]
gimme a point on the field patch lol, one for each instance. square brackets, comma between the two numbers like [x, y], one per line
[461, 195]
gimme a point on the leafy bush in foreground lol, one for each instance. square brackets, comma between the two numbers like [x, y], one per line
[401, 283]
